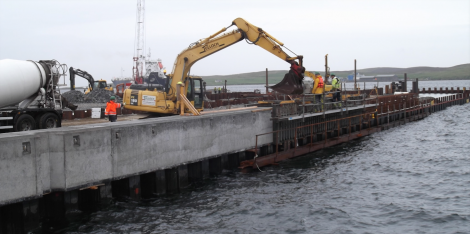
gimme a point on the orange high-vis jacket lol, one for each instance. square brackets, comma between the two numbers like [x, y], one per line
[111, 108]
[318, 86]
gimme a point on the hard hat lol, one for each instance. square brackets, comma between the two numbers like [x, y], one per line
[317, 73]
[112, 98]
[179, 82]
[164, 71]
[333, 74]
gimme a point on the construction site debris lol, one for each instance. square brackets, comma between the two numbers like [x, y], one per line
[73, 96]
[95, 96]
[100, 95]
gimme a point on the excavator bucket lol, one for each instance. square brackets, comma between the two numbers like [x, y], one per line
[291, 84]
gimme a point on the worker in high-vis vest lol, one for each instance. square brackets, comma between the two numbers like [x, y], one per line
[336, 87]
[318, 88]
[318, 85]
[110, 112]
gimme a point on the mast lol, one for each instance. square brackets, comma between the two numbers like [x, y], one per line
[139, 44]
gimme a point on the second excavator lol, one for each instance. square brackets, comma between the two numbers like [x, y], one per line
[163, 99]
[92, 84]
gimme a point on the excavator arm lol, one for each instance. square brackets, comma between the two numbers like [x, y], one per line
[80, 73]
[219, 41]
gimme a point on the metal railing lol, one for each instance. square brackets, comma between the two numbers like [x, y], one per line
[315, 103]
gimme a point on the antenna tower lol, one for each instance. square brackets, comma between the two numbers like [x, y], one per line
[139, 43]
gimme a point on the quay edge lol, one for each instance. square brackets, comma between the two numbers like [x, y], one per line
[63, 159]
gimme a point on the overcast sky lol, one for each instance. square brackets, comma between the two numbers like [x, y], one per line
[98, 35]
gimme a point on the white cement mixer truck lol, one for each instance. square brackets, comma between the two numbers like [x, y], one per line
[29, 97]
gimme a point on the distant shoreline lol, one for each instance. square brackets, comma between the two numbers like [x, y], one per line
[459, 72]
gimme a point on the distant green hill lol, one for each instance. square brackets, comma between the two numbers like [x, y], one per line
[459, 72]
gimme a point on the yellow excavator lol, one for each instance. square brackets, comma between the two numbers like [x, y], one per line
[162, 99]
[99, 84]
[92, 84]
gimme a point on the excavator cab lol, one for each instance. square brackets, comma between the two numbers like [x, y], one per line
[100, 84]
[103, 84]
[195, 91]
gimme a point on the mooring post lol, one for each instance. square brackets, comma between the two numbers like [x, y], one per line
[405, 88]
[225, 89]
[355, 72]
[388, 116]
[267, 91]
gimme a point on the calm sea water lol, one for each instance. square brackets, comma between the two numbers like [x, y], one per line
[411, 179]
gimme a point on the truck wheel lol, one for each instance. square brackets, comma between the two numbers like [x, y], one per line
[25, 123]
[48, 120]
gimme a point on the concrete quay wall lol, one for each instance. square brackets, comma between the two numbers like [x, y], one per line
[63, 159]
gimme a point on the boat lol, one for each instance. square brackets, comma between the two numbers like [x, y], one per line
[358, 77]
[155, 71]
[380, 78]
[153, 68]
[122, 80]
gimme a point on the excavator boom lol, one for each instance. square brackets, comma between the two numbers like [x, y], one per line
[80, 73]
[101, 84]
[164, 100]
[220, 40]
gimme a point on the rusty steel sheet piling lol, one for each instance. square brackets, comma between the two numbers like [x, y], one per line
[389, 111]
